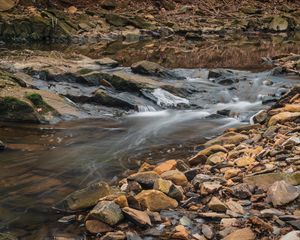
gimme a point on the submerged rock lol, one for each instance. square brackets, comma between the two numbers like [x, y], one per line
[86, 197]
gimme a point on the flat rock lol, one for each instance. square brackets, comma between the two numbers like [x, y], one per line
[146, 179]
[155, 200]
[95, 226]
[138, 217]
[217, 205]
[119, 235]
[209, 187]
[108, 212]
[107, 62]
[228, 138]
[281, 193]
[165, 166]
[216, 158]
[244, 233]
[244, 161]
[235, 207]
[176, 177]
[283, 117]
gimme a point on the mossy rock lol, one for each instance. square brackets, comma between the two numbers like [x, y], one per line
[38, 102]
[13, 109]
[7, 236]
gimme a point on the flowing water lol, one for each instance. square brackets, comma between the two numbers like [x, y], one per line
[46, 162]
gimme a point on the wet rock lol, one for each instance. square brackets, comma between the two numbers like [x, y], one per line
[244, 233]
[2, 146]
[259, 117]
[86, 197]
[109, 4]
[217, 205]
[95, 226]
[108, 212]
[165, 166]
[146, 179]
[138, 217]
[207, 231]
[150, 68]
[155, 200]
[119, 235]
[107, 62]
[281, 193]
[176, 177]
[266, 180]
[293, 235]
[228, 138]
[283, 117]
[6, 5]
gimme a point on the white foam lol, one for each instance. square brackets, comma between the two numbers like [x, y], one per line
[166, 99]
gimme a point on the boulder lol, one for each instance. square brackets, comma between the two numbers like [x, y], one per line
[176, 177]
[6, 5]
[146, 179]
[138, 217]
[107, 62]
[150, 68]
[283, 117]
[279, 24]
[169, 188]
[244, 233]
[281, 193]
[86, 197]
[155, 200]
[108, 212]
[165, 166]
[228, 138]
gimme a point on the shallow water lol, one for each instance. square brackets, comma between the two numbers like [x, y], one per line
[46, 162]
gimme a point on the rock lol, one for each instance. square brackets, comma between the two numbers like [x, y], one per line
[283, 117]
[165, 166]
[193, 36]
[95, 226]
[216, 158]
[155, 200]
[217, 205]
[131, 187]
[279, 24]
[132, 35]
[244, 161]
[108, 212]
[107, 62]
[244, 233]
[86, 197]
[116, 20]
[293, 235]
[232, 172]
[235, 207]
[259, 117]
[169, 188]
[109, 4]
[266, 180]
[242, 191]
[6, 5]
[228, 138]
[212, 149]
[138, 217]
[121, 201]
[209, 187]
[201, 178]
[176, 177]
[228, 222]
[150, 68]
[181, 233]
[192, 173]
[269, 213]
[176, 192]
[72, 10]
[119, 235]
[207, 231]
[281, 193]
[146, 179]
[213, 215]
[197, 159]
[2, 146]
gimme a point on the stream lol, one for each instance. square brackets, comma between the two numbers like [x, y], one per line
[46, 162]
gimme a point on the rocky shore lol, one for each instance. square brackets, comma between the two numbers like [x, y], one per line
[241, 184]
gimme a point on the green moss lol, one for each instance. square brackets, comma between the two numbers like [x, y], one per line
[11, 104]
[38, 102]
[84, 71]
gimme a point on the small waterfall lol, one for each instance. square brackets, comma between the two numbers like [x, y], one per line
[166, 99]
[145, 108]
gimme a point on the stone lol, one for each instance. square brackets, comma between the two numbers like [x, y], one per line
[266, 180]
[107, 62]
[232, 172]
[201, 178]
[162, 185]
[197, 159]
[72, 10]
[228, 222]
[2, 146]
[176, 177]
[108, 212]
[228, 138]
[213, 215]
[212, 149]
[259, 117]
[6, 5]
[216, 158]
[155, 200]
[121, 201]
[279, 24]
[235, 207]
[192, 173]
[292, 107]
[180, 233]
[95, 226]
[283, 117]
[209, 187]
[244, 161]
[138, 217]
[146, 179]
[165, 166]
[293, 235]
[132, 35]
[119, 235]
[242, 191]
[207, 231]
[149, 68]
[217, 205]
[244, 233]
[281, 193]
[109, 4]
[269, 213]
[176, 192]
[86, 197]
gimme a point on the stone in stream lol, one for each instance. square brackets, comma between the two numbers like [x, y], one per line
[146, 179]
[2, 146]
[86, 197]
[108, 212]
[228, 138]
[150, 68]
[281, 193]
[107, 62]
[138, 217]
[95, 226]
[165, 166]
[244, 233]
[283, 117]
[155, 200]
